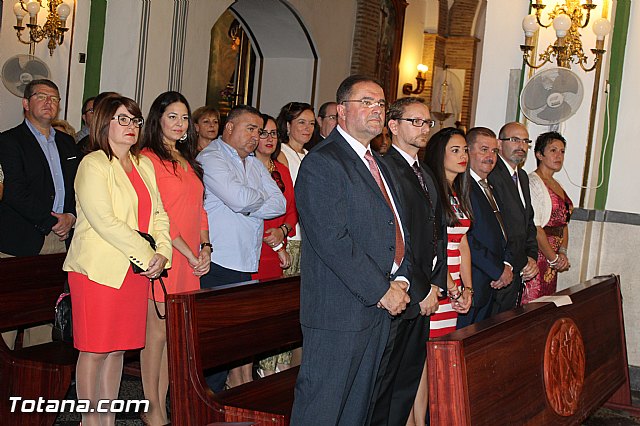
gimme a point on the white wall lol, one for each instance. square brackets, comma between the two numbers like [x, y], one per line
[62, 60]
[120, 50]
[623, 187]
[501, 53]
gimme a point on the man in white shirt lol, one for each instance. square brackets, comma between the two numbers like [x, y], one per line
[511, 183]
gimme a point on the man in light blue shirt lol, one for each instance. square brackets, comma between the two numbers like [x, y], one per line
[37, 212]
[239, 195]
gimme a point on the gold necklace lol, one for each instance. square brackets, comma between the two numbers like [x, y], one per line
[272, 166]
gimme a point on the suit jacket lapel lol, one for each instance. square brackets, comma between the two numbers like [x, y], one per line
[34, 151]
[359, 166]
[508, 180]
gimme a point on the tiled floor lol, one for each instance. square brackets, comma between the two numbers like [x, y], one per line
[131, 388]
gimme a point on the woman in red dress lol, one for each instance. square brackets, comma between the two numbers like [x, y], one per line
[273, 256]
[116, 196]
[170, 143]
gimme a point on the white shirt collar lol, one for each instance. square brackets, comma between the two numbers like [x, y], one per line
[360, 149]
[511, 169]
[406, 156]
[474, 175]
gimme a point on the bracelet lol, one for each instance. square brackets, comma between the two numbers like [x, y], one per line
[278, 247]
[554, 261]
[469, 289]
[284, 231]
[562, 250]
[456, 296]
[203, 245]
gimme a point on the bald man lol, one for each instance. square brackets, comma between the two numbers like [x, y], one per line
[511, 184]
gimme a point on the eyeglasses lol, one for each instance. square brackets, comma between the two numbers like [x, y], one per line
[264, 134]
[42, 97]
[517, 140]
[369, 102]
[330, 117]
[125, 120]
[88, 110]
[418, 122]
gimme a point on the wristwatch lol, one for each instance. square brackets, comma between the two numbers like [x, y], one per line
[203, 245]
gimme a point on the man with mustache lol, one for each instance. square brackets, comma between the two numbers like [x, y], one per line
[354, 263]
[487, 235]
[511, 183]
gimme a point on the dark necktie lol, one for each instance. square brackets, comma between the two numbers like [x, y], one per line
[492, 201]
[375, 172]
[418, 171]
[514, 176]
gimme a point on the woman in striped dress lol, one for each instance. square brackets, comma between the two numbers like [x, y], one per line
[446, 155]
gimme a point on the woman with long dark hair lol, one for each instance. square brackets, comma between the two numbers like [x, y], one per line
[117, 196]
[295, 128]
[446, 155]
[170, 142]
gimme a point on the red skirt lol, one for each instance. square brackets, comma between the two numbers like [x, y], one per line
[106, 319]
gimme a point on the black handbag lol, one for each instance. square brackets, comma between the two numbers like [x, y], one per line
[62, 323]
[137, 270]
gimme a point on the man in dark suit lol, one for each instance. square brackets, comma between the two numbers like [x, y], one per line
[37, 212]
[409, 124]
[326, 121]
[511, 184]
[487, 238]
[354, 260]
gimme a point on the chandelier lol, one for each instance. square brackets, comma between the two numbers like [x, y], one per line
[567, 19]
[53, 29]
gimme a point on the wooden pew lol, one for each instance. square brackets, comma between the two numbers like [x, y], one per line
[534, 365]
[228, 325]
[29, 288]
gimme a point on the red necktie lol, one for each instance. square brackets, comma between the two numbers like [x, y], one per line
[375, 172]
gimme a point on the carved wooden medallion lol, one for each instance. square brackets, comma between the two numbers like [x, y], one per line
[564, 363]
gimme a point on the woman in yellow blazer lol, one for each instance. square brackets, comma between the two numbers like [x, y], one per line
[116, 196]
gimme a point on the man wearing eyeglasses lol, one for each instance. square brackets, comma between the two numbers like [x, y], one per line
[410, 124]
[37, 213]
[327, 120]
[511, 183]
[87, 118]
[354, 263]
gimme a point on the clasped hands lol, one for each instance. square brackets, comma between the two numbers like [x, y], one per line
[202, 263]
[395, 300]
[562, 263]
[156, 266]
[275, 236]
[64, 225]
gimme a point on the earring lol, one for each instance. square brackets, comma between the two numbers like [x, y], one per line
[183, 138]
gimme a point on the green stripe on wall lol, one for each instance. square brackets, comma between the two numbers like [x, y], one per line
[618, 47]
[95, 44]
